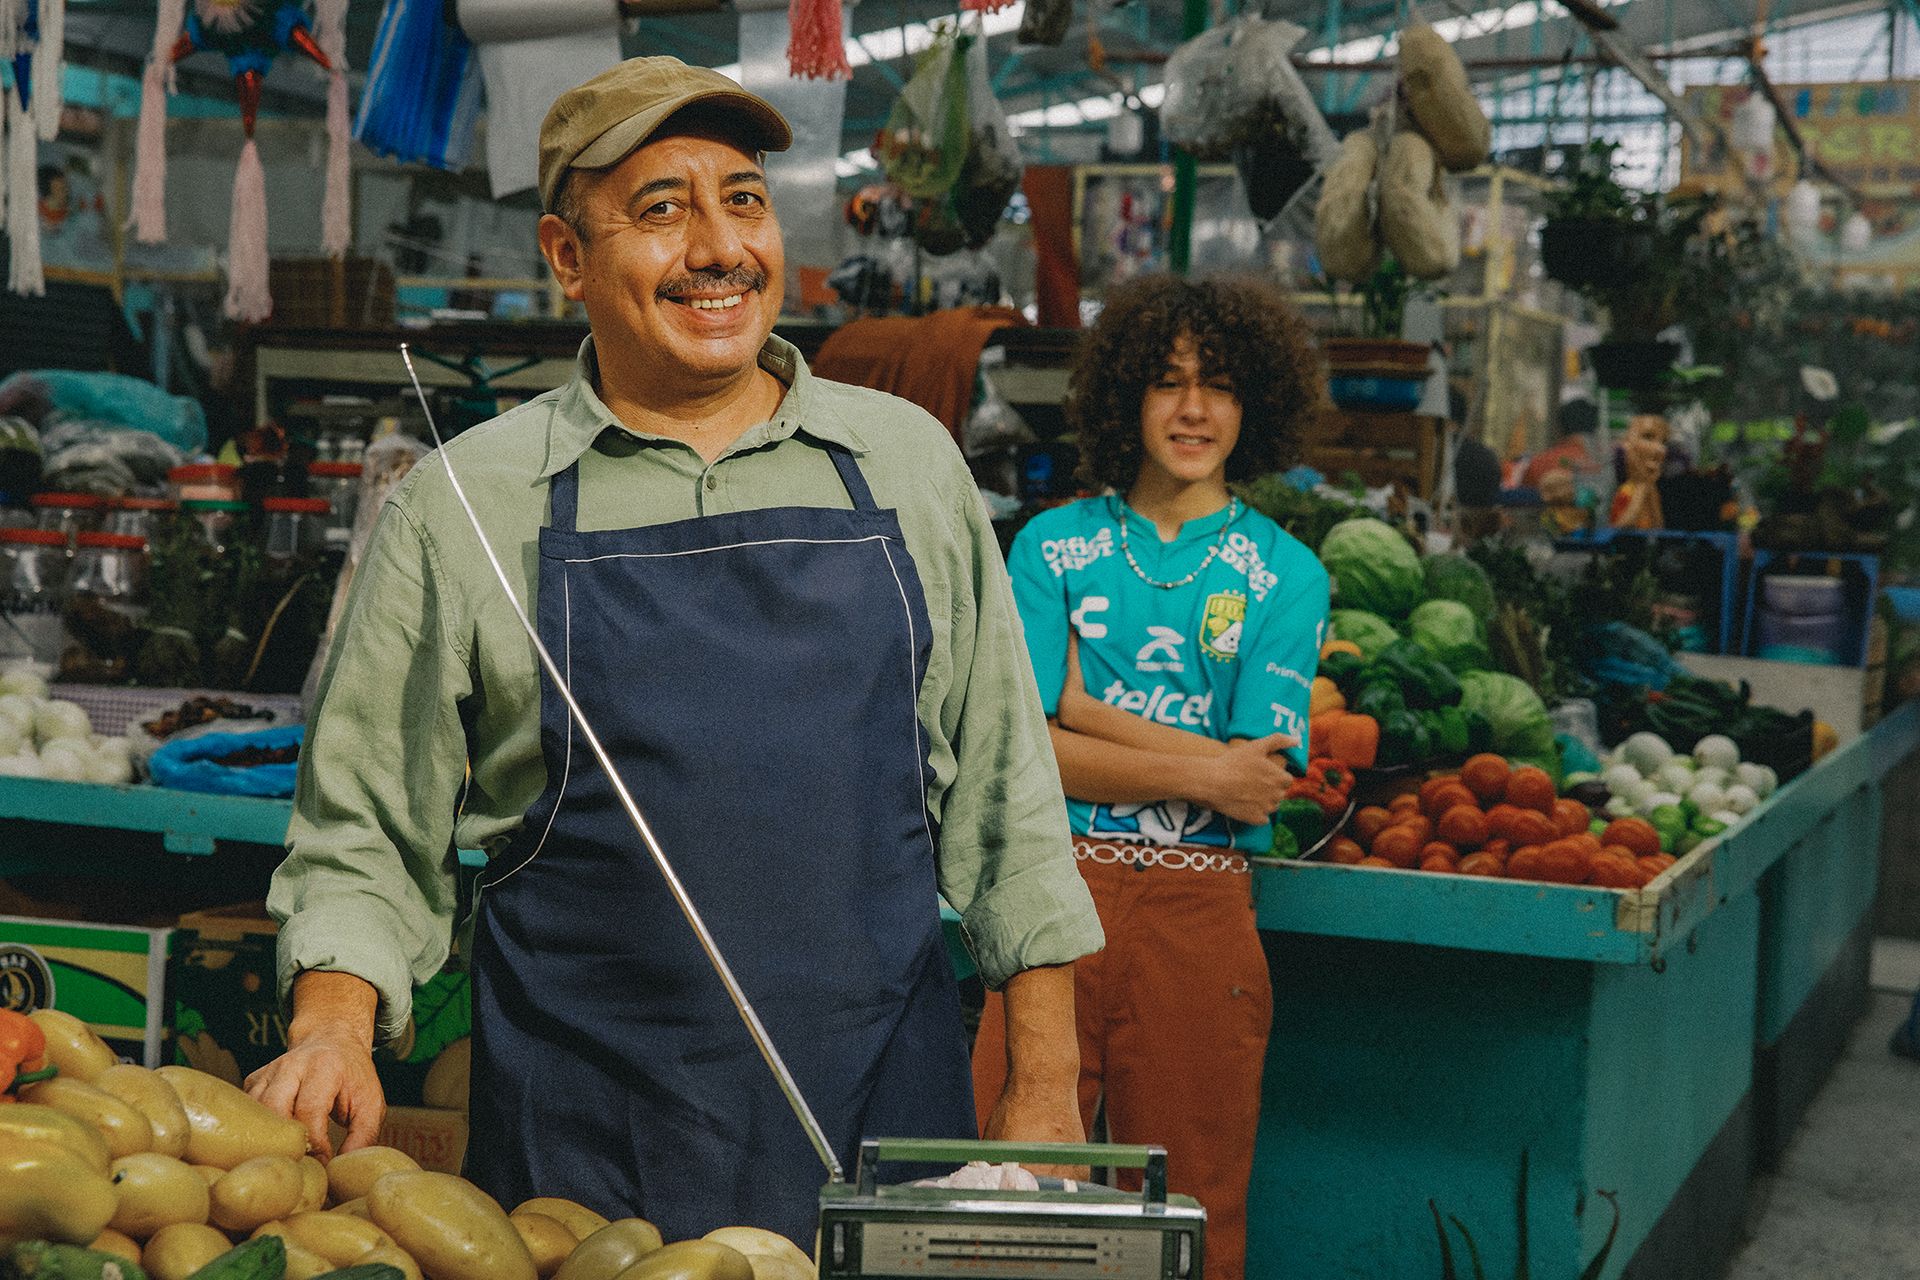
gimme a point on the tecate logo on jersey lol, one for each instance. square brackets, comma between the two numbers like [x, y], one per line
[1163, 705]
[1062, 554]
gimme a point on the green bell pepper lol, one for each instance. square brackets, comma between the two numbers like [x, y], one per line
[1424, 679]
[1403, 740]
[1285, 843]
[1304, 822]
[1448, 725]
[1342, 668]
[1479, 732]
[1379, 697]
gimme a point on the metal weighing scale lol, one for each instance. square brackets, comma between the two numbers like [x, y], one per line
[893, 1232]
[868, 1230]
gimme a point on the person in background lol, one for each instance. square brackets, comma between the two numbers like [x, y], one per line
[1636, 504]
[1476, 474]
[1174, 634]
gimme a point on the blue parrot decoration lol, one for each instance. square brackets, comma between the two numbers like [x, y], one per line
[249, 41]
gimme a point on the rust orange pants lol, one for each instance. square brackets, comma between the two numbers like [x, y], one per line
[1173, 1018]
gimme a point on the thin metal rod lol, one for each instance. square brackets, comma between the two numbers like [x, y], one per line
[755, 1028]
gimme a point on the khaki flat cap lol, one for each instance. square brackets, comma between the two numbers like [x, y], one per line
[600, 123]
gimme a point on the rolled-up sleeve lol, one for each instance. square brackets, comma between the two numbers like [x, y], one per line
[1005, 861]
[368, 885]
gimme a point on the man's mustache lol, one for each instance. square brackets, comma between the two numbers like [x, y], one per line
[739, 279]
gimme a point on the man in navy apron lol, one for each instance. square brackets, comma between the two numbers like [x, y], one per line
[778, 602]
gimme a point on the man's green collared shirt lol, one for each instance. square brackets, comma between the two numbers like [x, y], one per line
[431, 675]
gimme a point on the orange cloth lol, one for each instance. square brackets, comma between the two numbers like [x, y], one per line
[1173, 1019]
[930, 360]
[1650, 517]
[1056, 264]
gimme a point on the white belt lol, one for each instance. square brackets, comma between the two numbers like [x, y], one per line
[1177, 857]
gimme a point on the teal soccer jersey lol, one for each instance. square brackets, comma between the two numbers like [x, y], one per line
[1230, 654]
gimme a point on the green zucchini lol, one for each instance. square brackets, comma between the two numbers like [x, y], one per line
[365, 1271]
[261, 1259]
[39, 1260]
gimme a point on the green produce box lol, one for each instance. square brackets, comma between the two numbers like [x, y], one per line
[227, 1018]
[111, 976]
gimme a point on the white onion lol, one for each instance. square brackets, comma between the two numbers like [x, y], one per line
[65, 763]
[1675, 775]
[1759, 777]
[14, 738]
[1620, 807]
[1725, 817]
[1707, 796]
[1712, 773]
[1646, 752]
[23, 680]
[1620, 777]
[24, 765]
[1740, 798]
[1656, 800]
[53, 720]
[107, 767]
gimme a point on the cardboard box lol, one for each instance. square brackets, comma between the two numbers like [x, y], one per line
[112, 977]
[435, 1137]
[227, 1018]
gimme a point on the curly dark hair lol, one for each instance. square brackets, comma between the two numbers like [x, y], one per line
[1244, 329]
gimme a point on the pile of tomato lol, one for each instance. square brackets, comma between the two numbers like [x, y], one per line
[1491, 819]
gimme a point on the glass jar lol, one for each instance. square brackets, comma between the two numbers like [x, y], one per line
[204, 482]
[138, 517]
[112, 567]
[339, 484]
[35, 591]
[68, 513]
[218, 520]
[296, 527]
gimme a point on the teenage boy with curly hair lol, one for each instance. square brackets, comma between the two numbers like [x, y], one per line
[1174, 633]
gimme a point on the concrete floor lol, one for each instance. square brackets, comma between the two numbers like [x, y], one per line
[1846, 1202]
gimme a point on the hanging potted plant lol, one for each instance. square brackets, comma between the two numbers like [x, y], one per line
[1378, 369]
[1596, 229]
[1645, 303]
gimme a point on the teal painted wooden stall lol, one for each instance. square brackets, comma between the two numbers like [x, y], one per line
[1658, 1045]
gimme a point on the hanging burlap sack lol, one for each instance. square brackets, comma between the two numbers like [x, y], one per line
[1443, 106]
[1418, 217]
[1342, 221]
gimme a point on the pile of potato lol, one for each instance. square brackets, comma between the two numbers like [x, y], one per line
[171, 1169]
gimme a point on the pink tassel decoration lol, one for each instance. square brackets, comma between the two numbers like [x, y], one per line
[247, 296]
[816, 45]
[336, 212]
[149, 213]
[23, 200]
[985, 6]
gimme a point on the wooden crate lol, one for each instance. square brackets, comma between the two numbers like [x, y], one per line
[1381, 448]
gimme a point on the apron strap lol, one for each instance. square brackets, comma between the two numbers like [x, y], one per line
[843, 462]
[564, 495]
[564, 492]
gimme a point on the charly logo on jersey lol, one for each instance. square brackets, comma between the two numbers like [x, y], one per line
[1064, 554]
[1161, 652]
[26, 982]
[1161, 822]
[1221, 624]
[1083, 621]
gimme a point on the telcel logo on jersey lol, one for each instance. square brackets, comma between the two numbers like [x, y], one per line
[1062, 554]
[1163, 705]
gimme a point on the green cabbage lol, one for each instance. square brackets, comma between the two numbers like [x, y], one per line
[1450, 632]
[1454, 577]
[1368, 630]
[1522, 731]
[1373, 568]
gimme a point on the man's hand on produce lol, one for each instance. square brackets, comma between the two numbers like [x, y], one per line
[327, 1076]
[1039, 1114]
[327, 1071]
[1248, 780]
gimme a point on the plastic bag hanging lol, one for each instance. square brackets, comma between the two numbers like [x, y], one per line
[993, 166]
[815, 47]
[924, 143]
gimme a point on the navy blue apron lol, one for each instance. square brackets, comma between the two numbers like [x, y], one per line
[755, 677]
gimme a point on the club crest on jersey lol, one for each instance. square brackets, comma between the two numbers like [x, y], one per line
[1221, 624]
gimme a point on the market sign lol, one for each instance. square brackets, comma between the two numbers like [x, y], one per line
[1868, 135]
